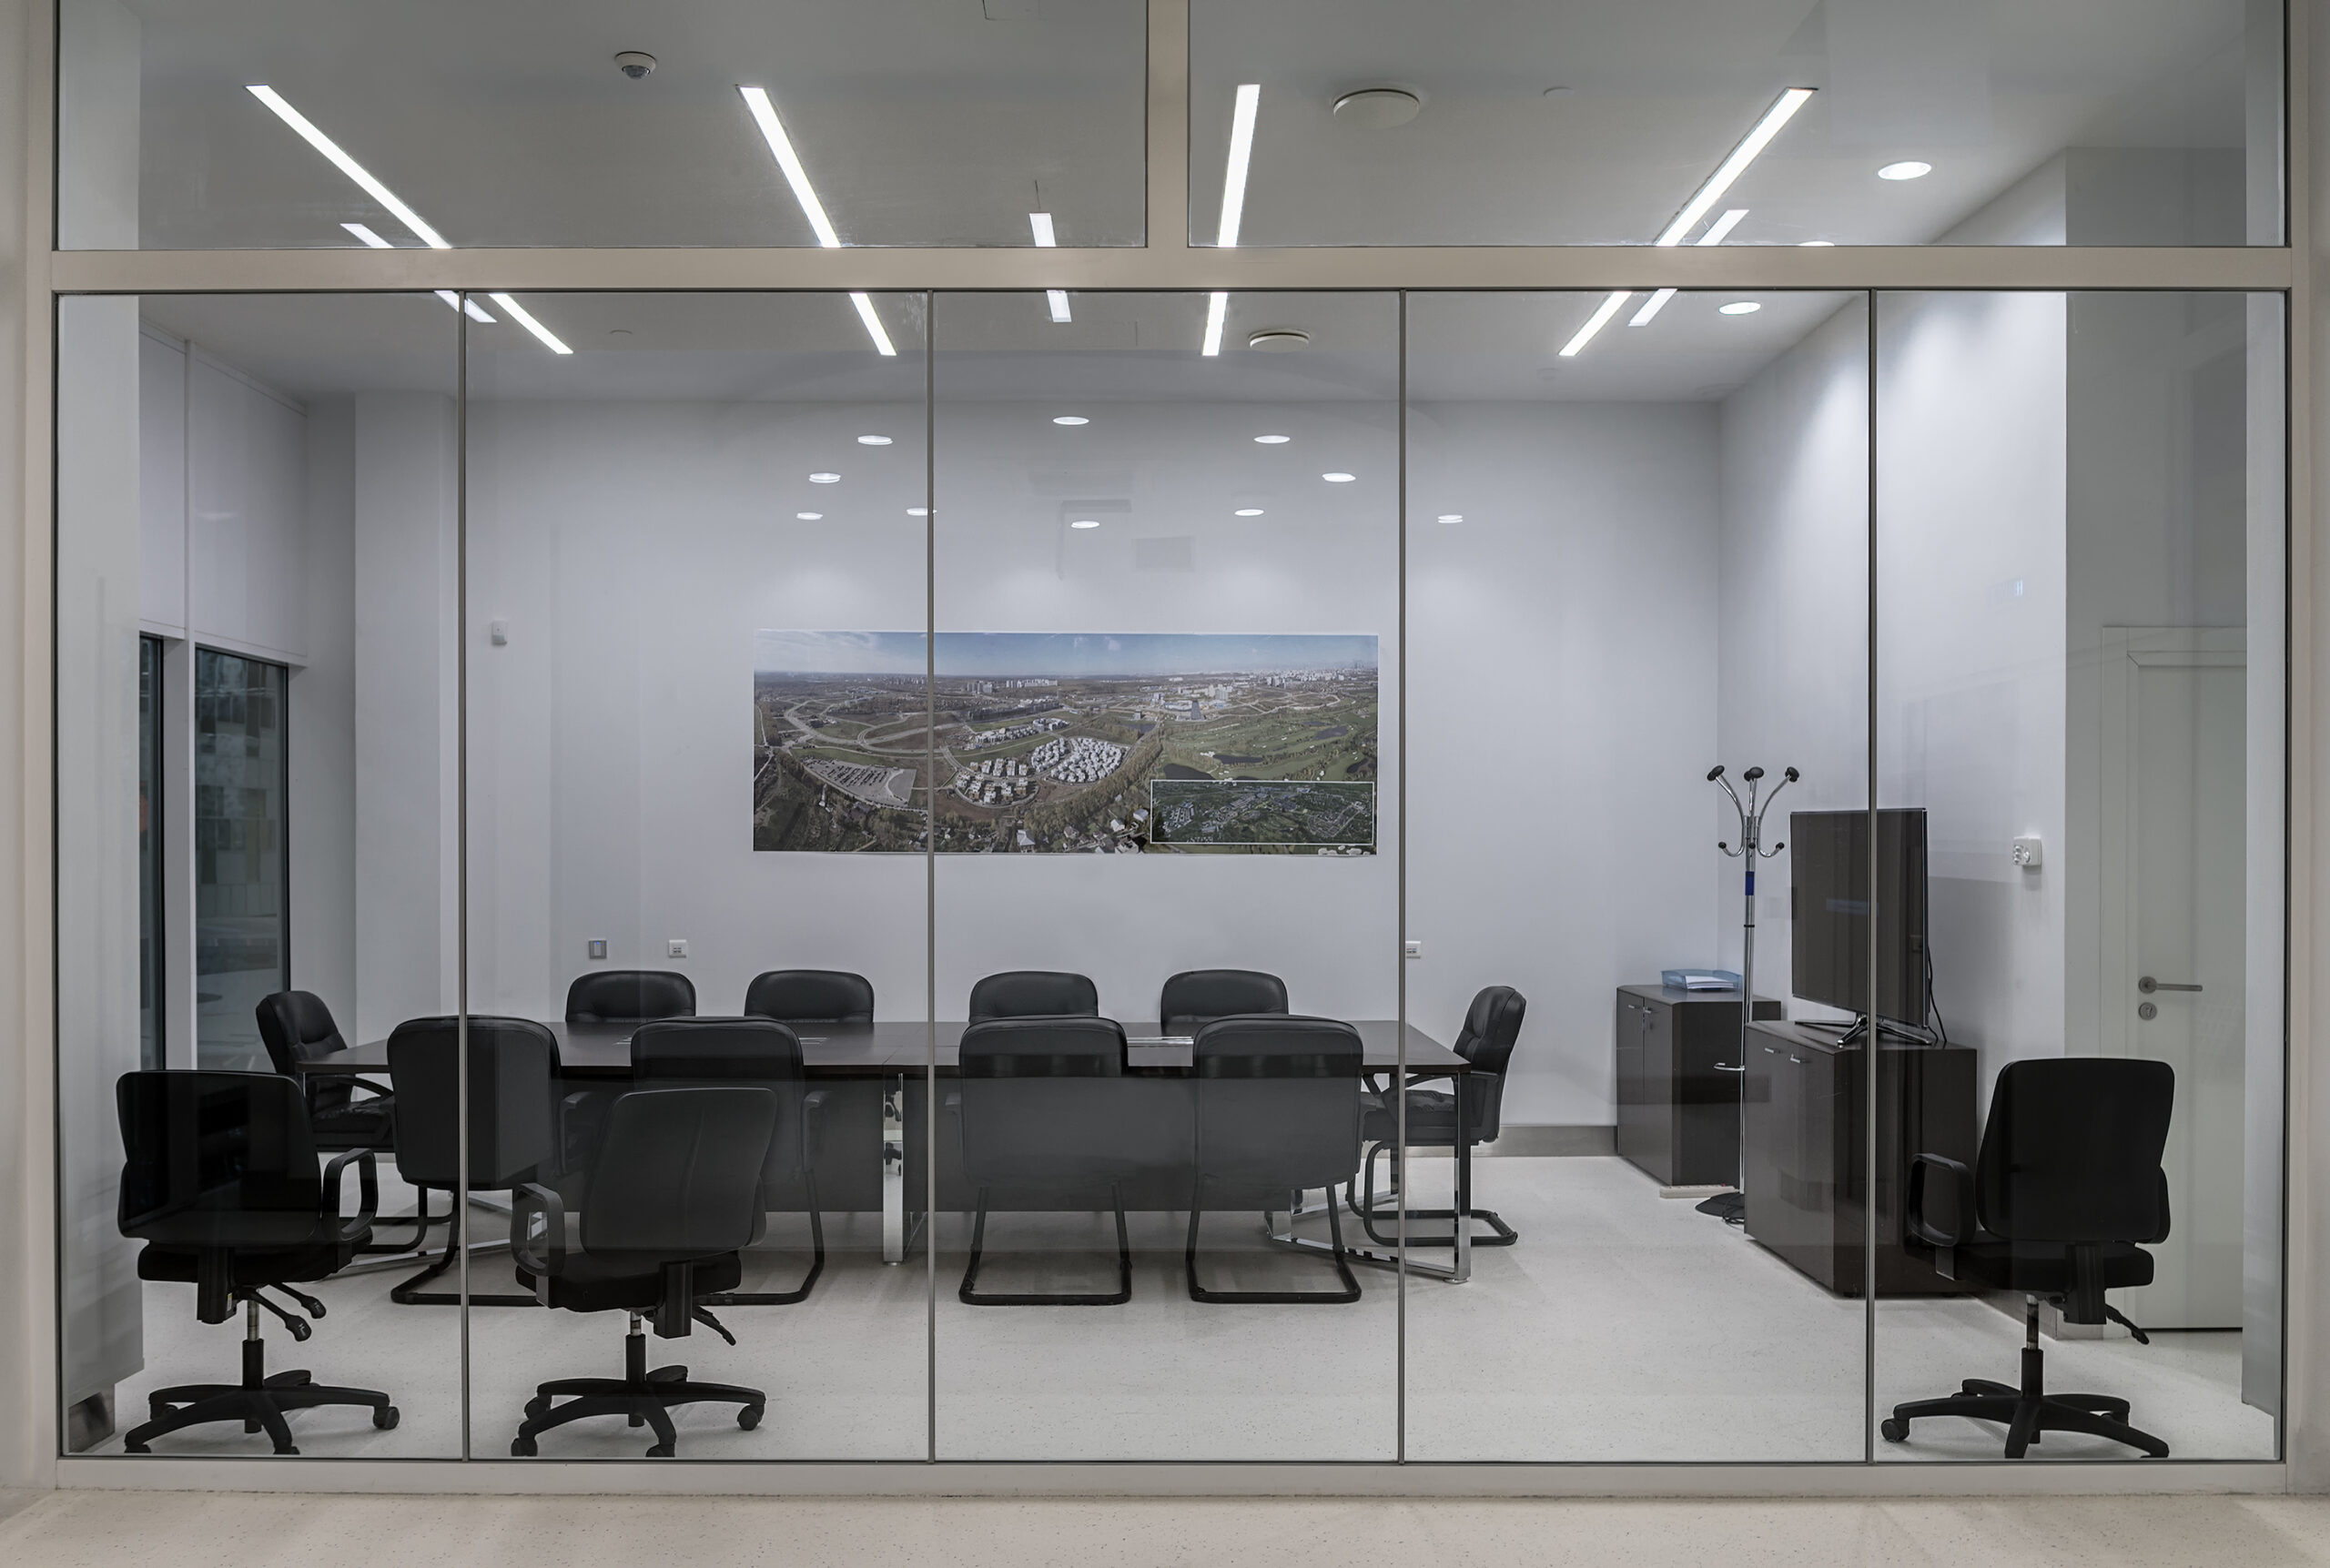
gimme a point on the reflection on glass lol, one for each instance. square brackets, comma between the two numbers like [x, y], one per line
[2080, 545]
[150, 1040]
[241, 780]
[1945, 122]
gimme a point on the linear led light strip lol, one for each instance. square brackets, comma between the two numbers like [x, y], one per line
[372, 186]
[1040, 225]
[1714, 235]
[780, 147]
[1233, 201]
[1783, 111]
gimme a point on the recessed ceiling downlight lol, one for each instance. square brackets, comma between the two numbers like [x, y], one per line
[918, 512]
[1339, 478]
[1070, 420]
[1452, 517]
[810, 516]
[1908, 168]
[873, 440]
[1272, 441]
[1739, 307]
[1086, 523]
[825, 479]
[1377, 108]
[1250, 511]
[1278, 340]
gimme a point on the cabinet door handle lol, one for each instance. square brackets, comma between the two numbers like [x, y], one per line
[1727, 1067]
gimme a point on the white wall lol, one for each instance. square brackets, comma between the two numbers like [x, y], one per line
[323, 719]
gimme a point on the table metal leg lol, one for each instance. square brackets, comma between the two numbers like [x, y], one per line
[1461, 1269]
[894, 1170]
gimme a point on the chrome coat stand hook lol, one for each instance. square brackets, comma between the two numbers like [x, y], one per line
[1733, 1207]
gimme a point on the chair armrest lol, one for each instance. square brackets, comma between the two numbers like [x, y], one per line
[368, 1191]
[538, 1234]
[1941, 1201]
[378, 1088]
[813, 1124]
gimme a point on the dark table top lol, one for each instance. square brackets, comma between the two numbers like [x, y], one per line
[883, 1049]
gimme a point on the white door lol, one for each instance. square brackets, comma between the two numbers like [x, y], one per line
[2172, 969]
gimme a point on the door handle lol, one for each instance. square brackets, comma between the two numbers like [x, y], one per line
[2148, 986]
[1726, 1068]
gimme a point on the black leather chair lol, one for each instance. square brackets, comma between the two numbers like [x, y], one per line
[2065, 1190]
[762, 1053]
[1278, 1113]
[1196, 997]
[1034, 994]
[219, 1182]
[1043, 1107]
[674, 1195]
[513, 1113]
[1491, 1025]
[297, 1028]
[628, 996]
[810, 996]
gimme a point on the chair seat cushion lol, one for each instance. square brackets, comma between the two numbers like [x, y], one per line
[359, 1123]
[1431, 1118]
[2045, 1268]
[622, 1281]
[268, 1266]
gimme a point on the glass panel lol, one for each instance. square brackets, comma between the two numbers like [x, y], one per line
[2081, 545]
[1861, 122]
[150, 1041]
[658, 523]
[1625, 564]
[253, 588]
[1166, 585]
[241, 777]
[204, 124]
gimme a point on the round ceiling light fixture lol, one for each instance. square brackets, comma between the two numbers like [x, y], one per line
[825, 479]
[873, 440]
[1908, 168]
[634, 63]
[1086, 523]
[1739, 307]
[1250, 511]
[1278, 340]
[1339, 478]
[810, 516]
[1377, 108]
[1272, 441]
[1452, 517]
[1070, 420]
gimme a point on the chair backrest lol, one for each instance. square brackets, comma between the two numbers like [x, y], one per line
[296, 1026]
[1196, 997]
[811, 997]
[1278, 1100]
[628, 996]
[215, 1160]
[1034, 994]
[719, 1052]
[678, 1173]
[1042, 1099]
[1491, 1025]
[2071, 1150]
[513, 1108]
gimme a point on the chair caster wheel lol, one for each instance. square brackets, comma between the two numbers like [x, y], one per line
[134, 1448]
[661, 1450]
[386, 1418]
[523, 1447]
[1894, 1430]
[536, 1408]
[749, 1417]
[288, 1449]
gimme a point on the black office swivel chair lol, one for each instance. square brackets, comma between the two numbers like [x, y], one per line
[2066, 1189]
[1034, 994]
[1491, 1025]
[810, 996]
[752, 1053]
[219, 1182]
[514, 1124]
[296, 1028]
[1196, 997]
[1043, 1107]
[628, 996]
[1277, 1112]
[674, 1195]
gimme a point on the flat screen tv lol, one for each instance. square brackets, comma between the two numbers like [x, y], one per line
[1828, 893]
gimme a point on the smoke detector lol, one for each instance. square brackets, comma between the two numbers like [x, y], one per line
[632, 63]
[1377, 108]
[1278, 340]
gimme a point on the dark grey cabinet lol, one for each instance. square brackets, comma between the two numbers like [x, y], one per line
[1678, 1109]
[1807, 1161]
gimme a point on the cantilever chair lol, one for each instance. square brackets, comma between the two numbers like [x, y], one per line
[810, 996]
[1043, 1107]
[2065, 1190]
[1196, 997]
[296, 1029]
[1034, 994]
[514, 1114]
[1278, 1113]
[628, 996]
[674, 1196]
[674, 1053]
[219, 1182]
[1491, 1025]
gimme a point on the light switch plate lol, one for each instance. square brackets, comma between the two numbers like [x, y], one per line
[1414, 949]
[677, 948]
[498, 632]
[598, 946]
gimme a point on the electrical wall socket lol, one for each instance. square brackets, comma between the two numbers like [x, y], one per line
[498, 633]
[598, 946]
[677, 948]
[2029, 853]
[1413, 950]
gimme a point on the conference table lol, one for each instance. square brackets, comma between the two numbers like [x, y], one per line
[898, 1055]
